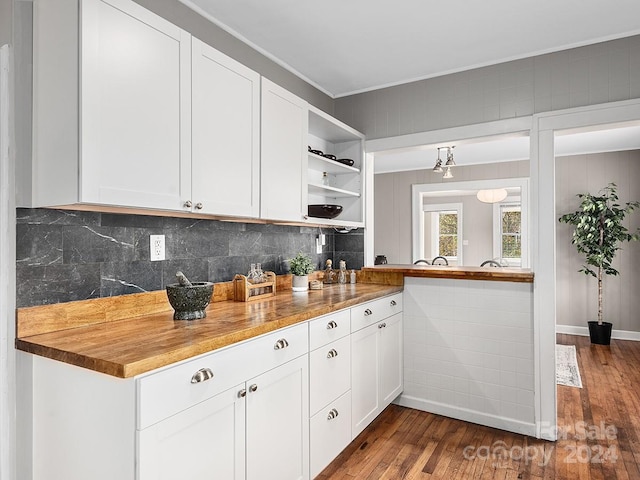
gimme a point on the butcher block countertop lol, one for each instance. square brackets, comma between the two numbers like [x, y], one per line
[126, 347]
[502, 274]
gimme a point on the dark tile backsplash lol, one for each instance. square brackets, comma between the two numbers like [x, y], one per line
[67, 255]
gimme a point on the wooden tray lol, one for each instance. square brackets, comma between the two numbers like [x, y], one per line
[245, 291]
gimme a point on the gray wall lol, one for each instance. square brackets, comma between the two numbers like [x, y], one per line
[599, 73]
[392, 202]
[577, 295]
[208, 32]
[69, 255]
[6, 24]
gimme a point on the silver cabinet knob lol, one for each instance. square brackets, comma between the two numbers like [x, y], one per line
[199, 206]
[367, 312]
[242, 393]
[331, 325]
[253, 388]
[332, 353]
[333, 413]
[202, 375]
[188, 204]
[382, 325]
[393, 303]
[280, 344]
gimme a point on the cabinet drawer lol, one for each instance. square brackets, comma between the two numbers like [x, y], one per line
[329, 373]
[331, 327]
[330, 431]
[374, 311]
[169, 391]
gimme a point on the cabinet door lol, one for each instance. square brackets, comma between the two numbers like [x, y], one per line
[391, 377]
[225, 134]
[278, 423]
[135, 116]
[283, 159]
[365, 377]
[203, 442]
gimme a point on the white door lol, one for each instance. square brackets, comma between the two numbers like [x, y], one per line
[283, 159]
[278, 423]
[135, 117]
[391, 378]
[225, 134]
[365, 377]
[204, 442]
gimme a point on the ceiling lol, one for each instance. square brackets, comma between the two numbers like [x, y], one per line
[350, 46]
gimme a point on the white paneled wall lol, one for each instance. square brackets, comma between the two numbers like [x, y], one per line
[468, 351]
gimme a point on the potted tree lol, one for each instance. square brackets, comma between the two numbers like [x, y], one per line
[598, 232]
[301, 266]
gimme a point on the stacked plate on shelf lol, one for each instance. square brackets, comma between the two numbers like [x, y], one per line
[345, 161]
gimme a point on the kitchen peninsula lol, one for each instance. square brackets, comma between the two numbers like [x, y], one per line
[468, 343]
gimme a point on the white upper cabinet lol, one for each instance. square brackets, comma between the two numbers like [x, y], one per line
[283, 160]
[134, 120]
[152, 122]
[225, 134]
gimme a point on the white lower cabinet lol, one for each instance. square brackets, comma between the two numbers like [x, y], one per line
[330, 432]
[277, 426]
[376, 365]
[203, 442]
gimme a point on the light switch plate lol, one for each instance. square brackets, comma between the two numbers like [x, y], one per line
[318, 245]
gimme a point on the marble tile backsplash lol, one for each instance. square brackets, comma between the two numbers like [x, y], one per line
[65, 255]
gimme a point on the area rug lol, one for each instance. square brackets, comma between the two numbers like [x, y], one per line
[567, 372]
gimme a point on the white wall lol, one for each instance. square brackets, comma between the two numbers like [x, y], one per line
[392, 205]
[576, 292]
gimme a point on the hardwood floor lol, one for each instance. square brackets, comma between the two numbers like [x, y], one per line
[599, 428]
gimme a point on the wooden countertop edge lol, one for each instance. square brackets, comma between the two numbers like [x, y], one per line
[460, 273]
[36, 345]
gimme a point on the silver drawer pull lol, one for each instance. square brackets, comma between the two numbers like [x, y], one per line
[332, 353]
[188, 204]
[242, 393]
[333, 413]
[332, 325]
[367, 312]
[393, 303]
[382, 325]
[253, 388]
[199, 206]
[280, 344]
[202, 375]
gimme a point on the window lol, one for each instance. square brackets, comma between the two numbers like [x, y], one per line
[447, 245]
[509, 235]
[443, 232]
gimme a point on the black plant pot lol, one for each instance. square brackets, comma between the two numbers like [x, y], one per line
[600, 334]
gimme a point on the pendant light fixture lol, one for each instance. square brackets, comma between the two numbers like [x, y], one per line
[450, 163]
[494, 195]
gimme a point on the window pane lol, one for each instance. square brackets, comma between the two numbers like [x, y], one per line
[511, 222]
[511, 246]
[448, 223]
[448, 245]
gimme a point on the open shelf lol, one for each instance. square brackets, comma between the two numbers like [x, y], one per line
[333, 192]
[322, 164]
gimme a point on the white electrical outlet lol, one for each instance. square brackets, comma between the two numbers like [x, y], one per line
[156, 247]
[323, 239]
[318, 246]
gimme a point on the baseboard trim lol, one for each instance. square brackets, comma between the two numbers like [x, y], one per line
[584, 332]
[473, 416]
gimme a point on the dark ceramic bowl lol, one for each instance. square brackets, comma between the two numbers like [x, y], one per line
[325, 210]
[190, 303]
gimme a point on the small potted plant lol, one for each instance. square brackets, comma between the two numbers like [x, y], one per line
[598, 232]
[301, 266]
